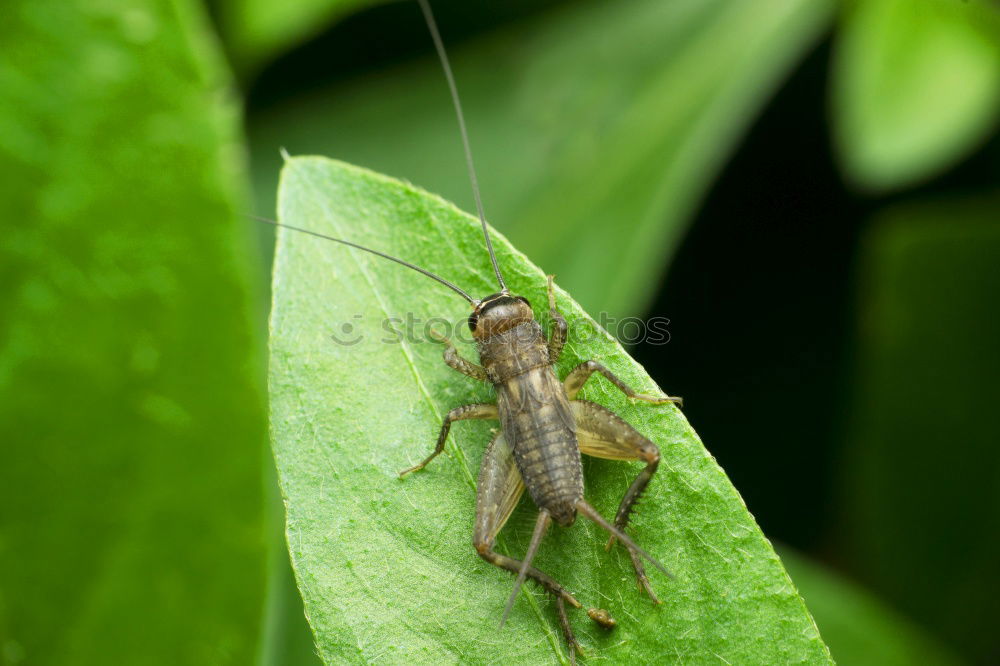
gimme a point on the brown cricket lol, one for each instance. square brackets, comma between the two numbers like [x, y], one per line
[544, 429]
[543, 426]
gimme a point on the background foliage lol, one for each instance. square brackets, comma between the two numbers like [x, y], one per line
[131, 416]
[807, 190]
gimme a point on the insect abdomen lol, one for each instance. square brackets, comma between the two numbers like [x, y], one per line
[536, 418]
[537, 421]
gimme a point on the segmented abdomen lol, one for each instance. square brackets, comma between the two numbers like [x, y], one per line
[538, 423]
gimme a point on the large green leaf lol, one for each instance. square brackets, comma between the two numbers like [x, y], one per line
[385, 565]
[287, 639]
[597, 127]
[920, 469]
[916, 86]
[131, 401]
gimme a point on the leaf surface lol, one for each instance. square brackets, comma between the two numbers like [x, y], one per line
[131, 384]
[385, 565]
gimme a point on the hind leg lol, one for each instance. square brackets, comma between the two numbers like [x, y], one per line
[499, 488]
[603, 434]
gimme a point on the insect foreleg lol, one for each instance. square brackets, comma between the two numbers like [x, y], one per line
[579, 375]
[481, 410]
[603, 434]
[500, 485]
[557, 338]
[456, 361]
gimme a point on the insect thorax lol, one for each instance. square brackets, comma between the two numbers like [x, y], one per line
[513, 352]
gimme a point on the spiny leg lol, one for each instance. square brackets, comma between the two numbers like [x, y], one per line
[499, 487]
[456, 361]
[634, 549]
[574, 645]
[480, 410]
[557, 337]
[579, 375]
[603, 434]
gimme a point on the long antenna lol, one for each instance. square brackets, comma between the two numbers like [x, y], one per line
[426, 272]
[425, 7]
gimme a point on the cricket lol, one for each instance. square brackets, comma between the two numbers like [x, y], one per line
[544, 426]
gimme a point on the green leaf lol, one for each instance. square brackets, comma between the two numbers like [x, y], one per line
[287, 639]
[258, 30]
[597, 128]
[131, 401]
[385, 566]
[919, 492]
[916, 86]
[860, 629]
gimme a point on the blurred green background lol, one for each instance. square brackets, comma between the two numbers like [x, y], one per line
[807, 189]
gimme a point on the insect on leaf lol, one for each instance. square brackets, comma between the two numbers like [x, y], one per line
[385, 565]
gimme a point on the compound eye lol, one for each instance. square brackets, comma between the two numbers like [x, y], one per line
[473, 320]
